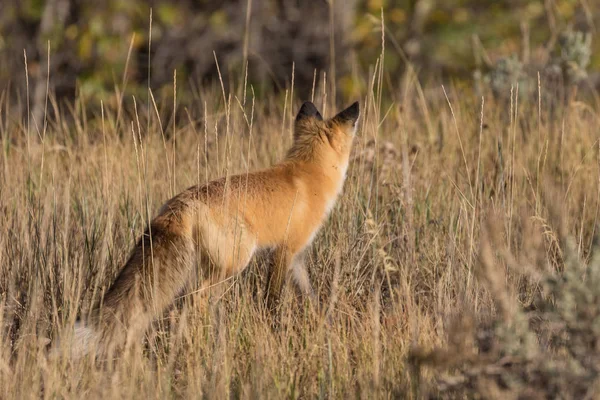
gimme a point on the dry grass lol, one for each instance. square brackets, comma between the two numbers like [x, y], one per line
[397, 267]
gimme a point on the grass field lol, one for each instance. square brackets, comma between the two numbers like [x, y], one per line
[457, 263]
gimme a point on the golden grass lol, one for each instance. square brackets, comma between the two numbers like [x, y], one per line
[395, 266]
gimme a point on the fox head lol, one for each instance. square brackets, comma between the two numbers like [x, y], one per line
[326, 140]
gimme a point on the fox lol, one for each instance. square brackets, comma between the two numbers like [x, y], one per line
[215, 229]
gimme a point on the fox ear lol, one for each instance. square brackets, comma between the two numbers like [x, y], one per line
[308, 109]
[349, 115]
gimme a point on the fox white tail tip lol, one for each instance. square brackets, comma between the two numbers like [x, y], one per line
[84, 339]
[82, 342]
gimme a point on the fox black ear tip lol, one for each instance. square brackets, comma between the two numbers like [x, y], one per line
[354, 110]
[307, 109]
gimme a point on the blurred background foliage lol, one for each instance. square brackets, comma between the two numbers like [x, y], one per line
[97, 46]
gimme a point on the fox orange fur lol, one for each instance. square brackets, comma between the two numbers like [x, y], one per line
[223, 223]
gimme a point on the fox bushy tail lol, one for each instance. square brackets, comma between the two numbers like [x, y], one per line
[157, 270]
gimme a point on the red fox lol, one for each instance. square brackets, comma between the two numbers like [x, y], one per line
[222, 224]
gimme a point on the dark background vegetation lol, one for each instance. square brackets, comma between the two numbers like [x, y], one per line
[90, 41]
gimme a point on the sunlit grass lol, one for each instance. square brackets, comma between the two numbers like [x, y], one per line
[395, 266]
